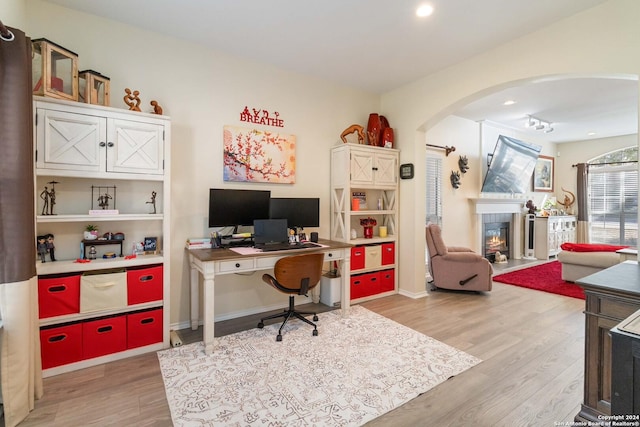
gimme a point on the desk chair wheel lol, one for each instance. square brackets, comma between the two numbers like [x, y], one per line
[315, 332]
[279, 338]
[315, 318]
[260, 325]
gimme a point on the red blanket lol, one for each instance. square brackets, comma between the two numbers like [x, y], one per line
[590, 247]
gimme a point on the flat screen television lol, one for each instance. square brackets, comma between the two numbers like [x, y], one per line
[299, 212]
[237, 207]
[511, 167]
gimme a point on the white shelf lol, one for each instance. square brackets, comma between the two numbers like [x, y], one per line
[71, 266]
[372, 241]
[97, 175]
[48, 321]
[99, 218]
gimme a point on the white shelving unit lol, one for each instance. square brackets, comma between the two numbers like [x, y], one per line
[551, 232]
[369, 173]
[78, 146]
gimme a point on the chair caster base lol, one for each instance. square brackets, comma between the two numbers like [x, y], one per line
[279, 338]
[315, 332]
[315, 318]
[260, 325]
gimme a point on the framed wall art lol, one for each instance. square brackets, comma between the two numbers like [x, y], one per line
[543, 174]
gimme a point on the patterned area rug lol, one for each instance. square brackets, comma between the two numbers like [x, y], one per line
[355, 370]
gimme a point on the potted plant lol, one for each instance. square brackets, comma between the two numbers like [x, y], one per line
[91, 232]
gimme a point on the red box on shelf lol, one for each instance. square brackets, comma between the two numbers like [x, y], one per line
[388, 253]
[144, 284]
[58, 295]
[104, 336]
[144, 328]
[357, 258]
[61, 345]
[364, 285]
[387, 280]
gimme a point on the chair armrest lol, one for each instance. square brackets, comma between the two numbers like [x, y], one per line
[458, 249]
[463, 257]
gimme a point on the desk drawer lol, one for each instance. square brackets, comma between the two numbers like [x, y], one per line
[333, 255]
[266, 262]
[236, 265]
[616, 309]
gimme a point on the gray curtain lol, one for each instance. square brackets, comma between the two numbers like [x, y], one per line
[582, 186]
[20, 366]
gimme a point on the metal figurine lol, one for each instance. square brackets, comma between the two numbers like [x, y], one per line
[463, 164]
[455, 179]
[153, 201]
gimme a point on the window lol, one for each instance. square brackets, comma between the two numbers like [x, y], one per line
[613, 198]
[434, 190]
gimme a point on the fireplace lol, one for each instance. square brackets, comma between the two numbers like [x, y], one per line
[500, 210]
[496, 239]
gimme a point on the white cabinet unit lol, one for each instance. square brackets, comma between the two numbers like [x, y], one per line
[368, 175]
[87, 317]
[551, 232]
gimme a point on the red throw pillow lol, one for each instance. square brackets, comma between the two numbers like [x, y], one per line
[590, 247]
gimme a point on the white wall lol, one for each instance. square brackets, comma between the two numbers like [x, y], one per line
[203, 90]
[602, 41]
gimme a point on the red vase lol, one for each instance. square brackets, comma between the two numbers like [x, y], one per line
[374, 129]
[368, 232]
[387, 138]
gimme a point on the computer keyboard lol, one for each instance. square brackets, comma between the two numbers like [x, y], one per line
[288, 246]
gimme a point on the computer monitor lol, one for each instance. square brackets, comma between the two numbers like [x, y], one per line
[299, 212]
[229, 207]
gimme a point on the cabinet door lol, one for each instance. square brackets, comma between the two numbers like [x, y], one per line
[135, 147]
[361, 168]
[70, 141]
[386, 168]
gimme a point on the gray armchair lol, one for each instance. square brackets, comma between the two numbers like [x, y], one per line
[454, 267]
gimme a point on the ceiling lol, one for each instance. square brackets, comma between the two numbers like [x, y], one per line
[380, 45]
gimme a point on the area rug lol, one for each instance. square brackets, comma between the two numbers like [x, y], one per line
[356, 369]
[544, 277]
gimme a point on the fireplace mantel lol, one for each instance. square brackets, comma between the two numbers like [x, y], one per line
[486, 205]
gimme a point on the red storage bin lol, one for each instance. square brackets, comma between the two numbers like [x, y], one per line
[144, 328]
[144, 284]
[58, 295]
[104, 336]
[357, 258]
[61, 345]
[387, 280]
[388, 253]
[363, 285]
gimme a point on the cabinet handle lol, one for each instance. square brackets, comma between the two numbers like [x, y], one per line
[109, 144]
[102, 144]
[329, 255]
[375, 169]
[237, 265]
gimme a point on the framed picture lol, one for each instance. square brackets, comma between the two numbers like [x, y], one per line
[543, 174]
[150, 245]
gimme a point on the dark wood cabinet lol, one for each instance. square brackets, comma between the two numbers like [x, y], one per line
[625, 378]
[611, 296]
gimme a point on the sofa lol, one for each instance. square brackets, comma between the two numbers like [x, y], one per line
[580, 259]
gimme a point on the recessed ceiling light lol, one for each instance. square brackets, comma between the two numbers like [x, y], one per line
[424, 10]
[509, 102]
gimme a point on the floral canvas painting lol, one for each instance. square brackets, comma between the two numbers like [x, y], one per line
[252, 155]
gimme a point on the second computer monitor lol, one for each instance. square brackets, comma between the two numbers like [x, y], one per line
[299, 212]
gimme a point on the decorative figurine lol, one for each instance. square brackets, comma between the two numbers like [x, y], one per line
[463, 164]
[103, 200]
[157, 109]
[92, 252]
[45, 196]
[455, 179]
[532, 208]
[568, 202]
[42, 248]
[351, 129]
[153, 201]
[50, 246]
[132, 99]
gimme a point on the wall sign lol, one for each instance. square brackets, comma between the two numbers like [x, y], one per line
[261, 117]
[406, 171]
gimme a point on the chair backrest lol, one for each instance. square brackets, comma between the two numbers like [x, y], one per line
[435, 244]
[299, 271]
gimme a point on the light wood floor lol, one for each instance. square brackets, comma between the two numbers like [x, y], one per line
[531, 344]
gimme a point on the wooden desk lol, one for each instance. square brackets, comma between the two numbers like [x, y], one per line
[612, 295]
[213, 262]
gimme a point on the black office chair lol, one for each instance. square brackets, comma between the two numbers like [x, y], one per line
[295, 275]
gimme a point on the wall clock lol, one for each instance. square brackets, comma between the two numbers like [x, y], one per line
[406, 171]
